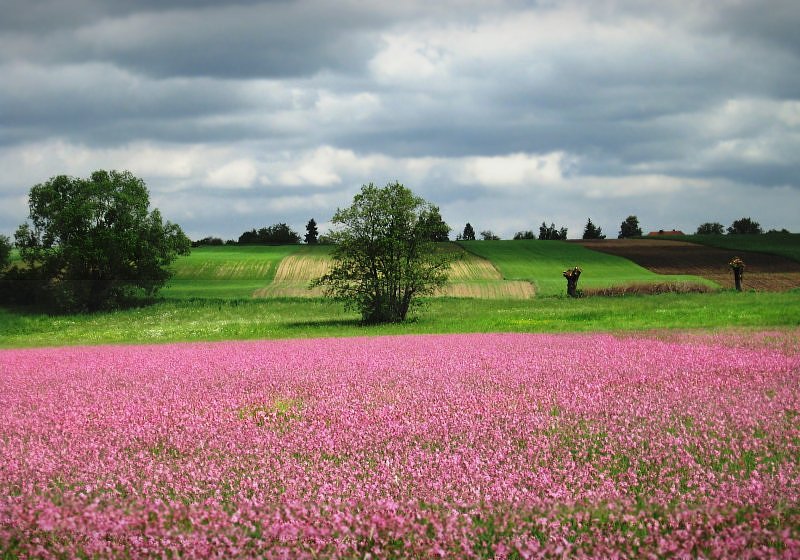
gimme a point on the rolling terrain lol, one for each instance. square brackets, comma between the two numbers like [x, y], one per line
[763, 272]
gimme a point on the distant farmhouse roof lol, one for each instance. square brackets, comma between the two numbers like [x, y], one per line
[665, 232]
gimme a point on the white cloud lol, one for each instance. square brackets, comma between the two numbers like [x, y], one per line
[239, 173]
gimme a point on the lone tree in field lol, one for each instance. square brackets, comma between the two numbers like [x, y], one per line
[383, 258]
[572, 275]
[469, 233]
[91, 243]
[630, 228]
[312, 234]
[591, 231]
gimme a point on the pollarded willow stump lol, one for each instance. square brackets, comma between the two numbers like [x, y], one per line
[572, 275]
[737, 266]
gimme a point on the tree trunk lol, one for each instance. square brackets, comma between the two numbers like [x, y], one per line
[737, 279]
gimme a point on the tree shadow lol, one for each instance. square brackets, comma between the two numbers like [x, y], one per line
[320, 323]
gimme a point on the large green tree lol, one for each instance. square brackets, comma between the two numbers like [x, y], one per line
[384, 259]
[630, 228]
[710, 228]
[591, 231]
[745, 226]
[91, 243]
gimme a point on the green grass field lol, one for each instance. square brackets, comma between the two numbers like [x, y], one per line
[542, 263]
[225, 272]
[232, 319]
[783, 244]
[211, 297]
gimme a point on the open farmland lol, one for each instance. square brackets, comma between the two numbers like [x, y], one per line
[225, 272]
[542, 262]
[767, 272]
[460, 446]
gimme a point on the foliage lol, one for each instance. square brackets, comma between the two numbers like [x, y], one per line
[312, 234]
[276, 234]
[592, 232]
[439, 230]
[383, 257]
[630, 228]
[550, 232]
[710, 228]
[489, 235]
[468, 233]
[208, 242]
[5, 251]
[91, 243]
[745, 226]
[527, 234]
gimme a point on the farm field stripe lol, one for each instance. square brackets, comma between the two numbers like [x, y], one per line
[406, 446]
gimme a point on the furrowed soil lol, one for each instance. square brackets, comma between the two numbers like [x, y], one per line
[763, 272]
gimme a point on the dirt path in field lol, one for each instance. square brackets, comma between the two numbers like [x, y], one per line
[770, 273]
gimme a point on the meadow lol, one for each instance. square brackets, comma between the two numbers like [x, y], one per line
[542, 262]
[499, 426]
[460, 446]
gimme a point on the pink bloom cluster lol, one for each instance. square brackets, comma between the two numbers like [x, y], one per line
[508, 446]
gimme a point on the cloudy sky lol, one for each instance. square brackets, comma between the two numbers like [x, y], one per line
[505, 113]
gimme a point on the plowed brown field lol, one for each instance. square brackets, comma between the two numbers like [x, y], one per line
[763, 272]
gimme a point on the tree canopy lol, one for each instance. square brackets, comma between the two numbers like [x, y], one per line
[468, 233]
[90, 243]
[591, 231]
[745, 226]
[276, 234]
[312, 234]
[383, 258]
[551, 233]
[710, 228]
[629, 228]
[5, 251]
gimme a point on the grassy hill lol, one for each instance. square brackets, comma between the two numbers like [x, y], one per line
[783, 244]
[542, 263]
[483, 269]
[225, 272]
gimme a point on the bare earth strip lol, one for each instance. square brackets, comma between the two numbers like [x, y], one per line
[763, 272]
[469, 277]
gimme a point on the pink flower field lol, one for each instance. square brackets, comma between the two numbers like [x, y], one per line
[474, 446]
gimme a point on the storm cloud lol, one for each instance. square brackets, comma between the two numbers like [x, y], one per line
[504, 113]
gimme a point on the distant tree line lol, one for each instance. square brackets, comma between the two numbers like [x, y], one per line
[439, 231]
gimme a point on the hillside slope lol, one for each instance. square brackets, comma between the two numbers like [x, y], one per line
[763, 272]
[542, 263]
